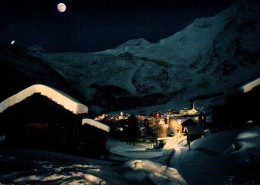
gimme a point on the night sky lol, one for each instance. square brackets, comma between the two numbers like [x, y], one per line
[100, 24]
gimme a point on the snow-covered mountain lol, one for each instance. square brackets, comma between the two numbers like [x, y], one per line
[207, 57]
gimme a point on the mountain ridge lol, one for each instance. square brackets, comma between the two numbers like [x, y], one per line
[208, 56]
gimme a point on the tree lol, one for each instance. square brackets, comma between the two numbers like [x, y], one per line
[133, 129]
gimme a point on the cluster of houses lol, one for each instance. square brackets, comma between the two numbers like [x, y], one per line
[240, 109]
[159, 125]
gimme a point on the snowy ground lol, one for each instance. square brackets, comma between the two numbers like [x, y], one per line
[121, 151]
[229, 157]
[39, 167]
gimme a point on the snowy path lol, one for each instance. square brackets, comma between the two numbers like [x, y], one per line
[121, 151]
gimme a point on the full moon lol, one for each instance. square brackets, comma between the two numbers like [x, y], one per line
[61, 7]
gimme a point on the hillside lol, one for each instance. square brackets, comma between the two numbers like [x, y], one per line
[19, 70]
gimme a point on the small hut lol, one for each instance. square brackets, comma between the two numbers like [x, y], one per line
[93, 137]
[189, 122]
[192, 129]
[42, 117]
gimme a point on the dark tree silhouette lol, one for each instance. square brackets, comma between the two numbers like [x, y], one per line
[132, 130]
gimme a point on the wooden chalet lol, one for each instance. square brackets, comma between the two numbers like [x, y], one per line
[241, 106]
[93, 136]
[44, 118]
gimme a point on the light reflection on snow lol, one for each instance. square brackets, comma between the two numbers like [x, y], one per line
[248, 142]
[55, 177]
[49, 171]
[70, 173]
[33, 178]
[94, 179]
[247, 135]
[135, 171]
[157, 173]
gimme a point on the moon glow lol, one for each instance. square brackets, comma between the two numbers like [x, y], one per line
[61, 7]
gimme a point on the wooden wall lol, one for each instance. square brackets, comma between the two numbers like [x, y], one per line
[38, 122]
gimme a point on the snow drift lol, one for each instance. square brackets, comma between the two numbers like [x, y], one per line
[40, 167]
[229, 157]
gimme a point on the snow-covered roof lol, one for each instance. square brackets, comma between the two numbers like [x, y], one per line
[194, 130]
[249, 86]
[59, 97]
[95, 124]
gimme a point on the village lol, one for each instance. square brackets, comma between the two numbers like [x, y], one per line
[42, 122]
[156, 127]
[61, 124]
[41, 117]
[130, 92]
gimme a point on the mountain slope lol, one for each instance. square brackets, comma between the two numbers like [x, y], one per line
[208, 56]
[19, 70]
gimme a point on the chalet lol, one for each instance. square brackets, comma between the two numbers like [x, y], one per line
[45, 118]
[93, 135]
[241, 106]
[192, 129]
